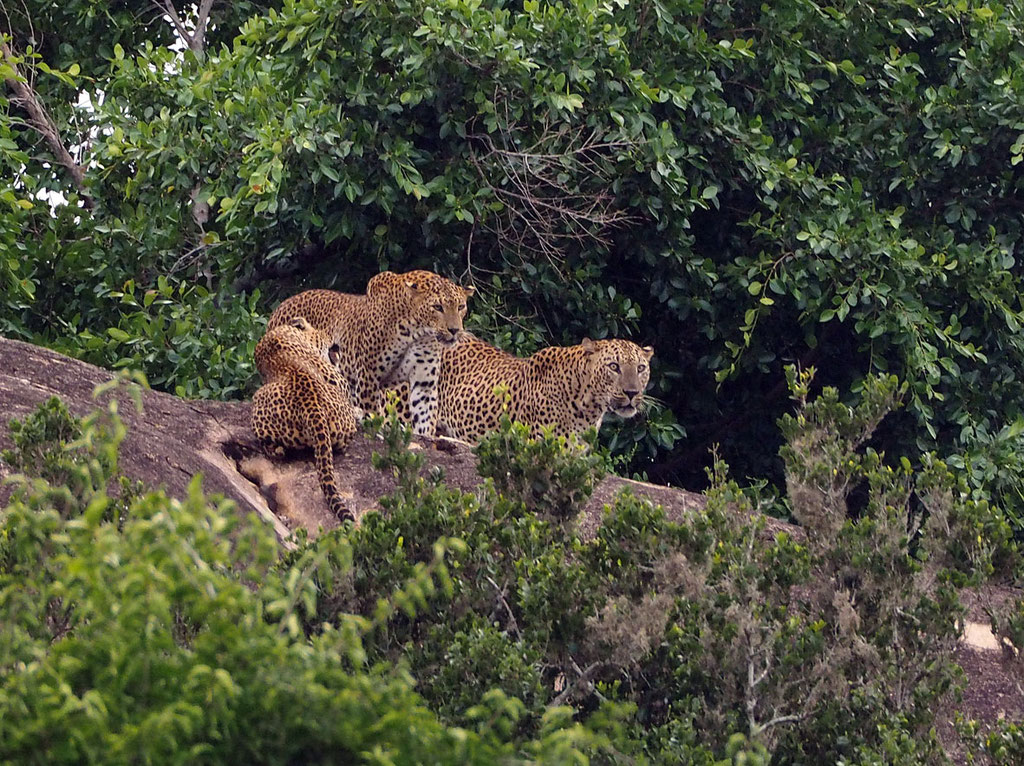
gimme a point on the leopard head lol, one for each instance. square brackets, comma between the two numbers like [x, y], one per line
[438, 305]
[619, 373]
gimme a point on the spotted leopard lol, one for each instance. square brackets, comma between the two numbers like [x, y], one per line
[570, 388]
[393, 334]
[304, 401]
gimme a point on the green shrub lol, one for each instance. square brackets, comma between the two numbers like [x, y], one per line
[460, 663]
[176, 635]
[187, 341]
[40, 442]
[178, 630]
[1003, 744]
[552, 476]
[72, 460]
[833, 641]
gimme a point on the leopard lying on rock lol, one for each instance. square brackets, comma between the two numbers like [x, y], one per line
[570, 388]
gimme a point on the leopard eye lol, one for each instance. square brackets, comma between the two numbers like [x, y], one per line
[614, 366]
[641, 367]
[462, 307]
[438, 307]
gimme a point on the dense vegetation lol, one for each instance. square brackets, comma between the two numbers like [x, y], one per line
[482, 628]
[741, 185]
[754, 189]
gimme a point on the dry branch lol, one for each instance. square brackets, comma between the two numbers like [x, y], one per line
[554, 193]
[41, 121]
[582, 683]
[196, 40]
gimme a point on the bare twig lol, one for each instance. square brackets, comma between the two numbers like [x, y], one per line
[198, 44]
[167, 6]
[545, 207]
[779, 720]
[582, 682]
[196, 41]
[192, 257]
[41, 121]
[467, 275]
[512, 624]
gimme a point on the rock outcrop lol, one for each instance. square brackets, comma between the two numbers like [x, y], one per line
[172, 440]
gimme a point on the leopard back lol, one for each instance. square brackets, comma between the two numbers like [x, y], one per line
[303, 401]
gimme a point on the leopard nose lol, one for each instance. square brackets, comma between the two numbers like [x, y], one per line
[454, 331]
[630, 394]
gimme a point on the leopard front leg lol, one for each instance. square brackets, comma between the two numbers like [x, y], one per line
[416, 379]
[423, 407]
[367, 396]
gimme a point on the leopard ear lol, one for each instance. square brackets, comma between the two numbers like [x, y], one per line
[299, 323]
[648, 351]
[418, 280]
[415, 285]
[468, 290]
[589, 346]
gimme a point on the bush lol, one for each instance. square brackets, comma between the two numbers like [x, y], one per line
[829, 642]
[1004, 744]
[174, 635]
[40, 442]
[176, 630]
[552, 476]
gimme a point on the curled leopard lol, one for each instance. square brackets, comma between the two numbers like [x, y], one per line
[393, 334]
[304, 401]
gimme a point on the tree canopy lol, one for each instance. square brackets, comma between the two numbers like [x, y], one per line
[741, 185]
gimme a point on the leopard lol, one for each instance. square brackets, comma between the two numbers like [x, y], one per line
[304, 402]
[567, 388]
[394, 333]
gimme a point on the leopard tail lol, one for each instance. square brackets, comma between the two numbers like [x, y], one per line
[323, 454]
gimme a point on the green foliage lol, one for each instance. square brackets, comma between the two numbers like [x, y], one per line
[1008, 624]
[73, 461]
[176, 629]
[461, 664]
[40, 442]
[833, 643]
[188, 342]
[552, 476]
[993, 465]
[176, 635]
[1003, 744]
[638, 441]
[740, 752]
[823, 439]
[397, 436]
[176, 331]
[824, 467]
[741, 186]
